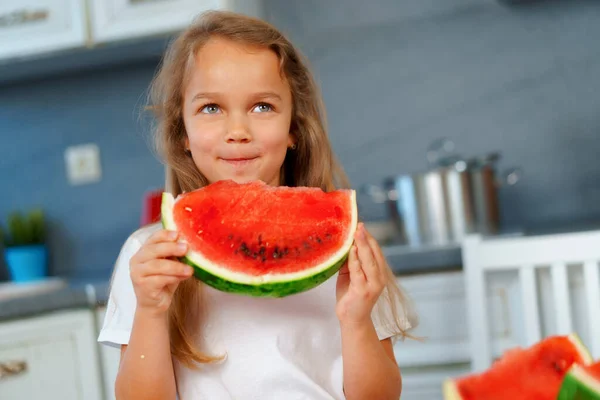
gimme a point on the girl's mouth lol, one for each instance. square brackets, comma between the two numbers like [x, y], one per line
[239, 162]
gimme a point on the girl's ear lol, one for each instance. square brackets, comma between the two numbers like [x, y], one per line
[292, 140]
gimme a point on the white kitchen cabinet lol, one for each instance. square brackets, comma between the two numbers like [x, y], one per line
[29, 27]
[125, 19]
[440, 302]
[58, 354]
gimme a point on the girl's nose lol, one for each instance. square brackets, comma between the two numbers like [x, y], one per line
[238, 131]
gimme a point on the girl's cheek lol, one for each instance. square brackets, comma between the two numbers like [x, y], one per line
[203, 137]
[271, 133]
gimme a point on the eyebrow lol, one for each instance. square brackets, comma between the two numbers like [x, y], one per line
[260, 95]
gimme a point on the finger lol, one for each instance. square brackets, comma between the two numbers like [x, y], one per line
[357, 275]
[165, 268]
[162, 235]
[377, 253]
[344, 270]
[365, 255]
[161, 281]
[161, 250]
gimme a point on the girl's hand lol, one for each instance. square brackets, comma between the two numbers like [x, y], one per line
[155, 277]
[361, 280]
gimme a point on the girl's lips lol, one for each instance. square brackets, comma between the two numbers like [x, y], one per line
[239, 162]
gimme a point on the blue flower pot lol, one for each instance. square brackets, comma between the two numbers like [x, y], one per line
[26, 263]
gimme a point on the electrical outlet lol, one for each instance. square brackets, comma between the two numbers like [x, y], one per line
[83, 164]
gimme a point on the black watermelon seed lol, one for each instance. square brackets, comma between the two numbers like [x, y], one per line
[244, 249]
[319, 240]
[557, 367]
[306, 245]
[229, 237]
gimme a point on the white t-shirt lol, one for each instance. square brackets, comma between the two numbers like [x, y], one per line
[277, 348]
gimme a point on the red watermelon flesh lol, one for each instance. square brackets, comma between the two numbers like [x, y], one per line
[594, 370]
[249, 225]
[256, 239]
[534, 373]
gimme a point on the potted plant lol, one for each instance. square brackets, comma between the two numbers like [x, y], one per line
[25, 247]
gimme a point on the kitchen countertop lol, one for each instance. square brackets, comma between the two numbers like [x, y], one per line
[92, 291]
[426, 259]
[74, 294]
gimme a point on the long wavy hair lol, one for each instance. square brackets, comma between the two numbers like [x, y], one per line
[312, 163]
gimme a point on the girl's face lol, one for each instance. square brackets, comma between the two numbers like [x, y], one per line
[237, 110]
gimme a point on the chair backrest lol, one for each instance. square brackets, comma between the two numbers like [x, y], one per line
[526, 254]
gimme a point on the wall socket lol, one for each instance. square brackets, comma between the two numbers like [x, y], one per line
[83, 164]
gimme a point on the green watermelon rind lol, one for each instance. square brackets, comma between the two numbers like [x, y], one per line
[579, 385]
[264, 286]
[451, 392]
[274, 289]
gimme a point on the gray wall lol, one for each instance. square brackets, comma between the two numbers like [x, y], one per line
[395, 75]
[520, 79]
[38, 120]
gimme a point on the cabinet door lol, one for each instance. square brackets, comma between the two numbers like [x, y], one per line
[122, 19]
[29, 27]
[56, 355]
[440, 301]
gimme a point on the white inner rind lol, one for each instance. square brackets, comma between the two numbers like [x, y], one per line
[581, 375]
[197, 258]
[451, 391]
[583, 351]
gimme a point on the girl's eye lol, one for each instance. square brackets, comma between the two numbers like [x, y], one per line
[263, 107]
[210, 109]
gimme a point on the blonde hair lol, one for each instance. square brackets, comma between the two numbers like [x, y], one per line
[311, 164]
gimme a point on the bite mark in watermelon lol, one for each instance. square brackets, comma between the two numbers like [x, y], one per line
[581, 383]
[534, 373]
[260, 240]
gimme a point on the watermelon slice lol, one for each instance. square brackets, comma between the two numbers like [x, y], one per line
[581, 383]
[259, 240]
[534, 373]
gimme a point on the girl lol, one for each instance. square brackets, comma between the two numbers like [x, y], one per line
[234, 100]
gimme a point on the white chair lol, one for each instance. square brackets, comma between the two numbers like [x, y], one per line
[526, 254]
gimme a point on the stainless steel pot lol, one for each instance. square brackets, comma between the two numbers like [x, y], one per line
[440, 206]
[485, 185]
[417, 204]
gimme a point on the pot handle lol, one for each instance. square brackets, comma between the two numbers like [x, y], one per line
[439, 150]
[377, 193]
[511, 176]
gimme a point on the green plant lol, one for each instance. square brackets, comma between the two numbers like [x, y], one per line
[29, 229]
